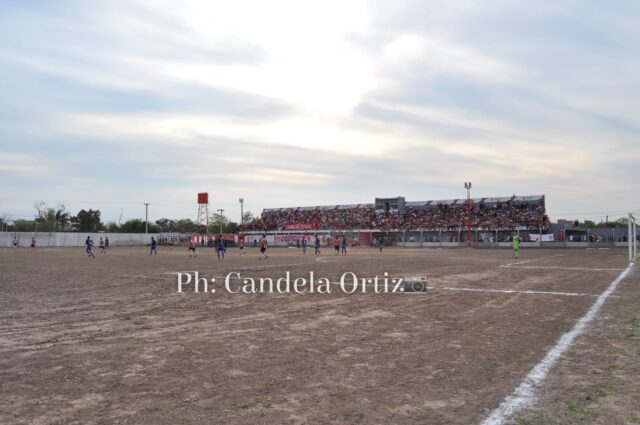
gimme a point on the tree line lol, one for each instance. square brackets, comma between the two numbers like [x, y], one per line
[59, 219]
[589, 224]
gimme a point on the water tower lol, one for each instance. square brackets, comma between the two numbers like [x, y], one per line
[203, 211]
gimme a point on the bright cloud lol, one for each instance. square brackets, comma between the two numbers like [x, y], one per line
[292, 103]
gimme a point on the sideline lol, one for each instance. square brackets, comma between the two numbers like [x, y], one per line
[525, 393]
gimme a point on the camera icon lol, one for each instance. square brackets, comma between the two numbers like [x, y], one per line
[415, 284]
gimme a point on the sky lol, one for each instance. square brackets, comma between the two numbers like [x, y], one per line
[111, 104]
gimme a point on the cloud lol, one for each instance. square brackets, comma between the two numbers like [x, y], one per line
[24, 166]
[294, 103]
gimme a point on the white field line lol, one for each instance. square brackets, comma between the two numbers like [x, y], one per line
[524, 394]
[505, 291]
[512, 291]
[532, 260]
[560, 268]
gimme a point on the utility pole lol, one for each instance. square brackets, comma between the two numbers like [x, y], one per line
[241, 212]
[220, 210]
[146, 217]
[467, 185]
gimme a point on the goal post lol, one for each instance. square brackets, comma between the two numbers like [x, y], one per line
[632, 238]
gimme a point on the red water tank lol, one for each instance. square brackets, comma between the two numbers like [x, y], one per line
[203, 198]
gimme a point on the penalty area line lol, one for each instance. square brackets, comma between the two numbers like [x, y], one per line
[524, 394]
[513, 291]
[533, 259]
[560, 268]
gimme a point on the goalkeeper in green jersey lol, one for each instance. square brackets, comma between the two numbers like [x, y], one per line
[516, 246]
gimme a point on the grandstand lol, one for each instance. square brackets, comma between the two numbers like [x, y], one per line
[395, 214]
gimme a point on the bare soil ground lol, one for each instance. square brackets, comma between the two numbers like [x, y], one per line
[598, 382]
[108, 340]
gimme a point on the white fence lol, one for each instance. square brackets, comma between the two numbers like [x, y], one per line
[44, 239]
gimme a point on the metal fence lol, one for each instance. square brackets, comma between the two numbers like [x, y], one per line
[480, 238]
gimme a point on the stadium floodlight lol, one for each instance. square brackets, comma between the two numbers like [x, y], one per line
[467, 185]
[241, 211]
[146, 217]
[220, 210]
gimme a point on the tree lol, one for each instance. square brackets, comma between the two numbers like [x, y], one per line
[41, 208]
[4, 222]
[62, 218]
[215, 221]
[51, 219]
[166, 225]
[185, 225]
[247, 217]
[87, 221]
[45, 217]
[622, 222]
[231, 228]
[112, 227]
[24, 225]
[137, 225]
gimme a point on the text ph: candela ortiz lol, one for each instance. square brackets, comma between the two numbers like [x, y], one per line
[235, 283]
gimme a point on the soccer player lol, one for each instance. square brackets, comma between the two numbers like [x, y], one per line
[316, 245]
[15, 242]
[263, 248]
[33, 242]
[380, 243]
[192, 248]
[89, 247]
[241, 243]
[220, 247]
[101, 245]
[304, 245]
[106, 243]
[343, 246]
[154, 246]
[336, 245]
[516, 246]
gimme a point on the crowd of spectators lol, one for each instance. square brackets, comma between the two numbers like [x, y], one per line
[505, 215]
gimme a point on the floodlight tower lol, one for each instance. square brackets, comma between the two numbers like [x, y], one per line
[241, 212]
[203, 210]
[632, 238]
[220, 210]
[467, 185]
[146, 217]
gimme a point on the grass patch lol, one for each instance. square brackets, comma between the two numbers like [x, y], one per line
[581, 410]
[424, 418]
[354, 418]
[249, 405]
[521, 420]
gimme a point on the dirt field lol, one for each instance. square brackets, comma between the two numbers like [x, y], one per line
[108, 340]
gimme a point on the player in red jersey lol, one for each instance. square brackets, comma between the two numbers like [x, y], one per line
[241, 243]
